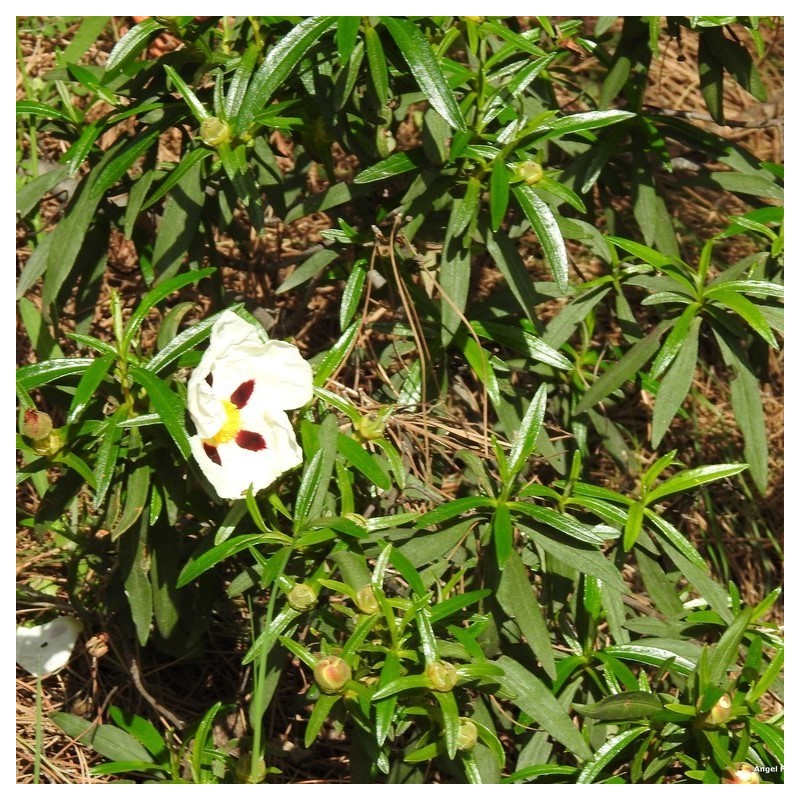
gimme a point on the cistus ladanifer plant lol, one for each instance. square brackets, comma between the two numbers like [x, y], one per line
[378, 370]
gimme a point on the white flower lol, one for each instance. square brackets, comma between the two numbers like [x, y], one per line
[237, 399]
[46, 648]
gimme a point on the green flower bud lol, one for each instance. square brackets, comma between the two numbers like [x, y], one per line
[331, 674]
[302, 597]
[366, 600]
[741, 773]
[442, 676]
[244, 770]
[529, 172]
[467, 734]
[36, 425]
[371, 426]
[215, 131]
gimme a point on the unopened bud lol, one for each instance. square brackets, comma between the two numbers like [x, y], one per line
[442, 676]
[302, 597]
[741, 773]
[529, 171]
[214, 131]
[244, 769]
[36, 425]
[366, 600]
[371, 426]
[331, 674]
[467, 734]
[720, 713]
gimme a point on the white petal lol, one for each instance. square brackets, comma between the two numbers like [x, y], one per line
[283, 377]
[47, 648]
[239, 468]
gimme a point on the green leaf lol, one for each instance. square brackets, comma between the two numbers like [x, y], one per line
[502, 534]
[132, 43]
[336, 356]
[454, 276]
[544, 224]
[230, 547]
[317, 475]
[675, 384]
[378, 73]
[395, 164]
[277, 66]
[522, 341]
[498, 193]
[309, 269]
[692, 478]
[179, 222]
[748, 410]
[363, 461]
[749, 312]
[109, 741]
[34, 375]
[198, 110]
[451, 722]
[646, 254]
[237, 88]
[525, 438]
[156, 295]
[623, 370]
[724, 654]
[561, 522]
[425, 68]
[319, 716]
[142, 730]
[453, 508]
[607, 753]
[536, 700]
[137, 487]
[517, 598]
[580, 122]
[107, 455]
[654, 656]
[134, 563]
[633, 525]
[506, 256]
[672, 344]
[711, 76]
[771, 735]
[464, 213]
[167, 405]
[676, 538]
[346, 36]
[351, 295]
[87, 386]
[622, 707]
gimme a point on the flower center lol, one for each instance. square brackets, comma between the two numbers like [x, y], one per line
[230, 428]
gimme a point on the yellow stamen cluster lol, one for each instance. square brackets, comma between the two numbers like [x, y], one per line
[230, 427]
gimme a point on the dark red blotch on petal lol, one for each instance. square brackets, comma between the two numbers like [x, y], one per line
[242, 394]
[210, 379]
[249, 440]
[212, 453]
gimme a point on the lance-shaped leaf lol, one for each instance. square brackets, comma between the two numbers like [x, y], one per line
[425, 68]
[280, 61]
[544, 224]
